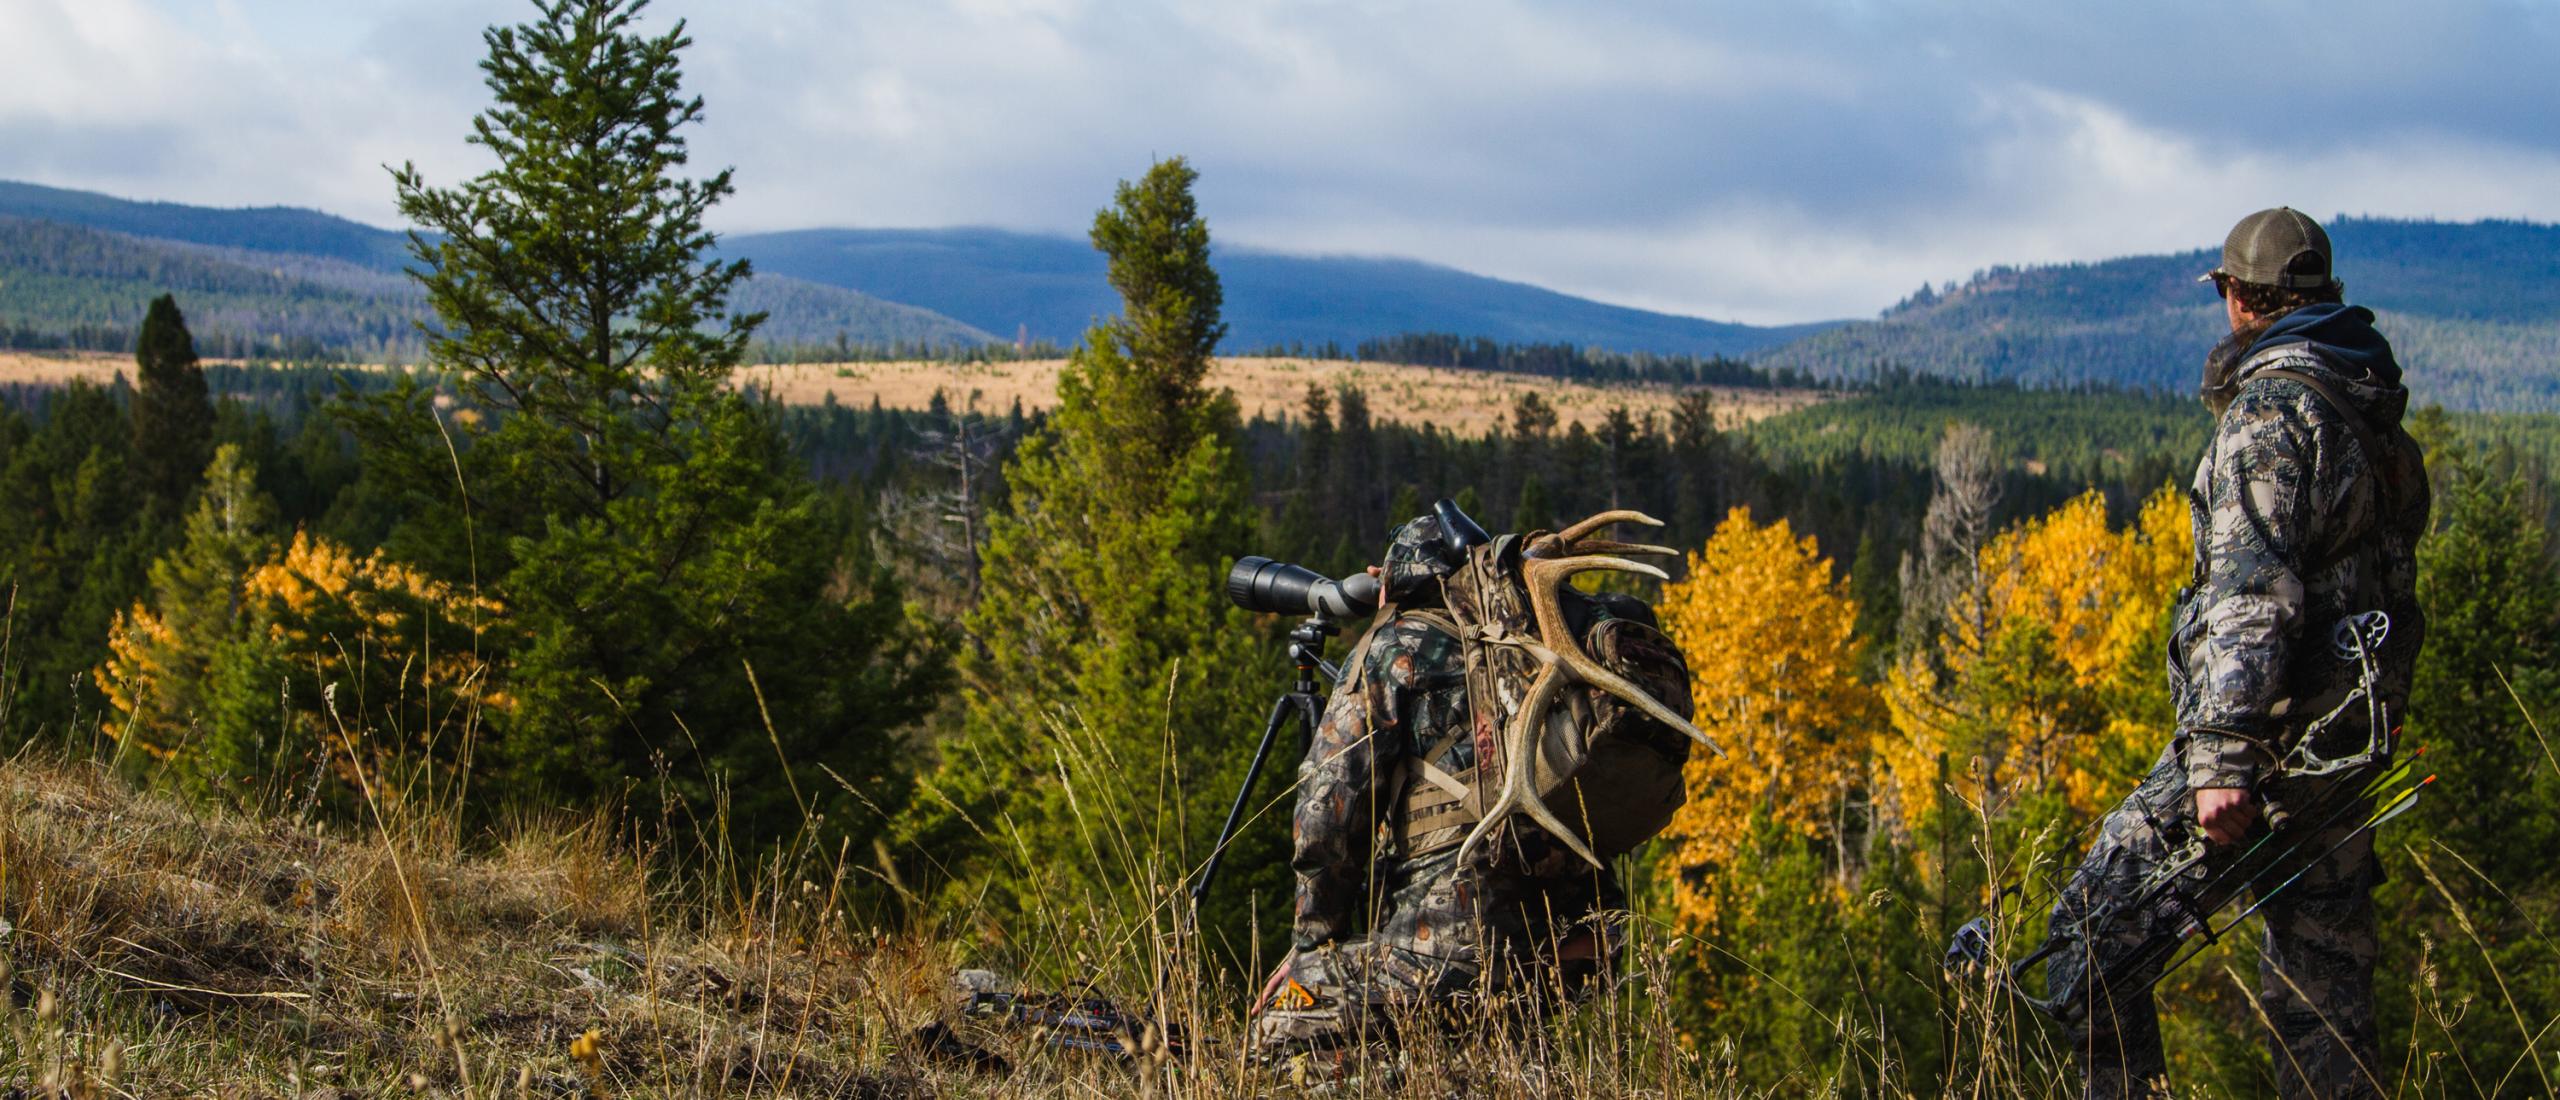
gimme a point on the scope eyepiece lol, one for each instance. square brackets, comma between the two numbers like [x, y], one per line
[1277, 587]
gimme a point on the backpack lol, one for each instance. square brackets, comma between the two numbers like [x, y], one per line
[1603, 772]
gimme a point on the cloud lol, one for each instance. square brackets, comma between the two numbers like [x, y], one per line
[1763, 163]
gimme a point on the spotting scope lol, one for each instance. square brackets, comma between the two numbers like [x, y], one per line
[1277, 587]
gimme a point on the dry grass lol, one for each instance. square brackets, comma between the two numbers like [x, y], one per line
[1463, 401]
[54, 368]
[149, 947]
[156, 949]
[222, 952]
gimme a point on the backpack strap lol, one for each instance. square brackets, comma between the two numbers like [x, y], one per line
[2376, 456]
[1433, 808]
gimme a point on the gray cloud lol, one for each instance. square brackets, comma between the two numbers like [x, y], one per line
[1770, 163]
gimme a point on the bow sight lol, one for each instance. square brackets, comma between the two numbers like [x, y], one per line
[2123, 945]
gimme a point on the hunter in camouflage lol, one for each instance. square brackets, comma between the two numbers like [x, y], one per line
[2307, 508]
[1390, 924]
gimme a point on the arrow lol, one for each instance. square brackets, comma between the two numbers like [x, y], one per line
[2401, 804]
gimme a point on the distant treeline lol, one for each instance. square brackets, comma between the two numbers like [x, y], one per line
[845, 349]
[21, 336]
[1333, 475]
[1448, 349]
[215, 343]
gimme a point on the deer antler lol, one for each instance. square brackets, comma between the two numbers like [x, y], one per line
[1576, 540]
[1520, 742]
[1545, 580]
[1559, 656]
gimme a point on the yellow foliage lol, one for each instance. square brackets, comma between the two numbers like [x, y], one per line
[2029, 680]
[365, 625]
[1770, 640]
[140, 648]
[345, 616]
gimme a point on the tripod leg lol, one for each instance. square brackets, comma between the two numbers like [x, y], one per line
[1281, 709]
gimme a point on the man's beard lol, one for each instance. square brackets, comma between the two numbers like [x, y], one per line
[2224, 360]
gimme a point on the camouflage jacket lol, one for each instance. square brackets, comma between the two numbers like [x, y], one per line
[2296, 527]
[1404, 697]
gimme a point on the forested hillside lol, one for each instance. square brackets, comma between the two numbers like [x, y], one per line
[279, 229]
[2473, 309]
[75, 270]
[871, 291]
[1051, 287]
[64, 285]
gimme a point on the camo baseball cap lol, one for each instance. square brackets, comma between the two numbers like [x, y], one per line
[2281, 247]
[1417, 556]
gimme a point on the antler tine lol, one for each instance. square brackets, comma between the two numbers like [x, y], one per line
[1521, 744]
[1621, 549]
[1544, 578]
[1614, 516]
[1558, 543]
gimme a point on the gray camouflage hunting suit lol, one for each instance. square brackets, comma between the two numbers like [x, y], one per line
[2298, 524]
[1388, 922]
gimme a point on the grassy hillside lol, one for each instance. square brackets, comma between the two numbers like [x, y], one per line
[158, 949]
[2473, 309]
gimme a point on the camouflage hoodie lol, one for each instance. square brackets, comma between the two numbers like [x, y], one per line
[2296, 527]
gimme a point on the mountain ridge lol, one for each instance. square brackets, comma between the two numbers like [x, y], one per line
[1050, 287]
[2473, 307]
[995, 284]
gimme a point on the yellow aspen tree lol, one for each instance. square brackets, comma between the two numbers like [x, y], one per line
[1769, 634]
[327, 648]
[2053, 690]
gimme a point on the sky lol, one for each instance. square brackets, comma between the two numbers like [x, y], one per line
[1766, 163]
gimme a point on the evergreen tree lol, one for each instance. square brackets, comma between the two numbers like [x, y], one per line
[172, 418]
[2490, 671]
[645, 527]
[2479, 876]
[77, 537]
[1116, 698]
[162, 652]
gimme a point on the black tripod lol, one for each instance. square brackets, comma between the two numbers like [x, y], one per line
[1306, 651]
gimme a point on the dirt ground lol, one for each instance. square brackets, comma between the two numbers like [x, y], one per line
[1466, 402]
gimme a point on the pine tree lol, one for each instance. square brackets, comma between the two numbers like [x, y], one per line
[1118, 692]
[162, 652]
[172, 418]
[2478, 874]
[667, 574]
[2491, 669]
[77, 537]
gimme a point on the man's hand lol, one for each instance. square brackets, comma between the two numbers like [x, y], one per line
[2225, 813]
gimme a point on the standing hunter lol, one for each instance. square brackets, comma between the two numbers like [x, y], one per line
[1425, 878]
[2307, 510]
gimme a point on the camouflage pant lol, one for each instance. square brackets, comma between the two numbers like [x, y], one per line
[1354, 992]
[1360, 991]
[2315, 969]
